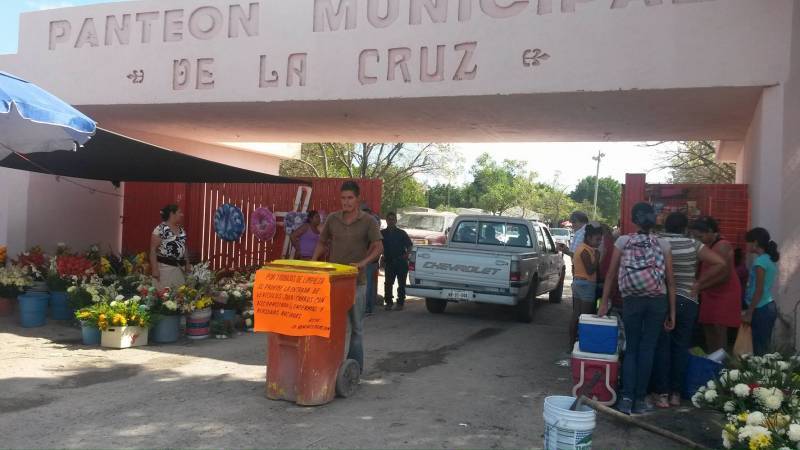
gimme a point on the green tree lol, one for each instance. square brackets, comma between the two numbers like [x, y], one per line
[695, 162]
[609, 195]
[496, 187]
[408, 192]
[446, 196]
[394, 163]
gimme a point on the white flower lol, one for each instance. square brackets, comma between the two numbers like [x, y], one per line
[237, 294]
[113, 304]
[733, 375]
[755, 418]
[729, 406]
[696, 399]
[711, 384]
[741, 390]
[119, 298]
[783, 365]
[249, 322]
[136, 298]
[711, 395]
[794, 432]
[171, 305]
[775, 356]
[726, 441]
[773, 402]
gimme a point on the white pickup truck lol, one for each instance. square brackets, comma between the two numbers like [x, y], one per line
[489, 259]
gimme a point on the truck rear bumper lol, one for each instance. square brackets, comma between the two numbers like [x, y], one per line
[477, 297]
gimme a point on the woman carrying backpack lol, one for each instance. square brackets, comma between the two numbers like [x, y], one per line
[761, 311]
[721, 298]
[643, 263]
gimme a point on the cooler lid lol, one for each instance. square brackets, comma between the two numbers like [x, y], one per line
[591, 319]
[291, 265]
[577, 353]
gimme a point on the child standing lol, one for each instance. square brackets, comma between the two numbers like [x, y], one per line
[585, 264]
[761, 311]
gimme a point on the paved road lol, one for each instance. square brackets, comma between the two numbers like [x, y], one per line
[472, 377]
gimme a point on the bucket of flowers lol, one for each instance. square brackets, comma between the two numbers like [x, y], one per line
[166, 309]
[89, 317]
[197, 306]
[760, 397]
[36, 265]
[13, 282]
[66, 271]
[125, 324]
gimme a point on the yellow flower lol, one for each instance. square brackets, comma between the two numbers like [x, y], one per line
[119, 319]
[105, 265]
[128, 266]
[742, 417]
[760, 441]
[84, 315]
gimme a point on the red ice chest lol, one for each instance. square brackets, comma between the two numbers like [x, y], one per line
[586, 365]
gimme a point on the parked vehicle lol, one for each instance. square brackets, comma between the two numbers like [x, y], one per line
[561, 236]
[426, 228]
[489, 259]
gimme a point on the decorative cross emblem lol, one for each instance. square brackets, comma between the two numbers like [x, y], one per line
[133, 338]
[534, 57]
[136, 77]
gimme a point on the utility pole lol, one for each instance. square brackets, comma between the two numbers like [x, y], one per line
[598, 158]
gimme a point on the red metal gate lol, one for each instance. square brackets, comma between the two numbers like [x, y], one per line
[199, 201]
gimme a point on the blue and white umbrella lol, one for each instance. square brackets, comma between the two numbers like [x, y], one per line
[32, 120]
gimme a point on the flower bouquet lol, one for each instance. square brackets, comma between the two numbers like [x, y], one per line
[200, 277]
[124, 324]
[760, 397]
[35, 263]
[67, 270]
[90, 291]
[13, 282]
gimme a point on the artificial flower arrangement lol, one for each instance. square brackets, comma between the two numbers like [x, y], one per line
[90, 291]
[163, 302]
[760, 397]
[34, 262]
[232, 294]
[13, 281]
[68, 270]
[124, 312]
[90, 315]
[201, 276]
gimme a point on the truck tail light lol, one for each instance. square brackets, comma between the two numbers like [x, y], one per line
[515, 275]
[412, 261]
[412, 266]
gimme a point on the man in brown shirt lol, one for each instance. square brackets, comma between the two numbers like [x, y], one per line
[352, 237]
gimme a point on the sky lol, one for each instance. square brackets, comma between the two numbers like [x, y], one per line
[571, 162]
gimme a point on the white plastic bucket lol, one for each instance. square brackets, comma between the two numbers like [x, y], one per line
[565, 429]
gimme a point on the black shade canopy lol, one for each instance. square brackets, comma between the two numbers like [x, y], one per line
[114, 157]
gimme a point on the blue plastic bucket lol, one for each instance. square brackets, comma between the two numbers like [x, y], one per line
[59, 307]
[166, 329]
[224, 314]
[90, 334]
[33, 309]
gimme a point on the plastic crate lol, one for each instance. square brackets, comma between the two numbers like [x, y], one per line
[124, 337]
[699, 371]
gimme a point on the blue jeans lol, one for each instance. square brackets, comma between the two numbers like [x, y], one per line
[372, 287]
[672, 352]
[354, 348]
[644, 319]
[763, 322]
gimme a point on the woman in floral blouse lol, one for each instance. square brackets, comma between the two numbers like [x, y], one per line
[168, 249]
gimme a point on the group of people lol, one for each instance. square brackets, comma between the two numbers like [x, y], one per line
[667, 283]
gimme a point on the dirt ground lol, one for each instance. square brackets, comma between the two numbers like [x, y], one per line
[471, 378]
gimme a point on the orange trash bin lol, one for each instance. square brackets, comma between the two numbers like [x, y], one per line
[311, 369]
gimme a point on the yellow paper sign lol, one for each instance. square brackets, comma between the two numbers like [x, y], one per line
[292, 303]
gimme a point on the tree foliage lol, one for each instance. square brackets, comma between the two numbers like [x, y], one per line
[609, 194]
[497, 187]
[394, 163]
[695, 162]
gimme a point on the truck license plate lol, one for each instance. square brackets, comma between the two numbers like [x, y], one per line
[458, 295]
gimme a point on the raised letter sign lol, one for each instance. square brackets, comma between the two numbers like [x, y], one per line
[464, 10]
[424, 72]
[623, 3]
[208, 30]
[398, 57]
[122, 32]
[325, 15]
[363, 78]
[173, 25]
[248, 22]
[492, 9]
[145, 18]
[377, 21]
[88, 34]
[463, 73]
[263, 81]
[181, 73]
[59, 32]
[205, 77]
[568, 6]
[297, 68]
[437, 11]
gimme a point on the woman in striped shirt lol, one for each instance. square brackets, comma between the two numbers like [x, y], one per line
[669, 366]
